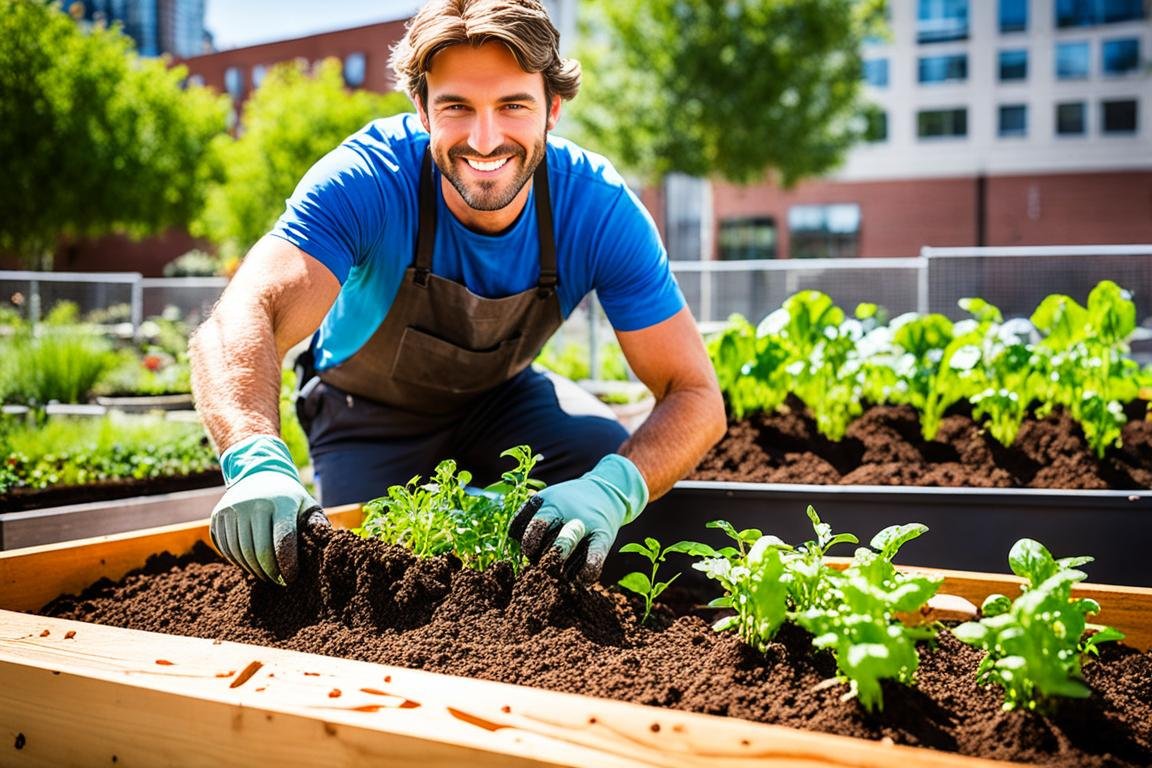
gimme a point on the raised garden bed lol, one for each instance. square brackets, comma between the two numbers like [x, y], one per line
[374, 603]
[976, 496]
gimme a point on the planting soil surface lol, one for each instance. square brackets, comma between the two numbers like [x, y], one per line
[377, 603]
[884, 447]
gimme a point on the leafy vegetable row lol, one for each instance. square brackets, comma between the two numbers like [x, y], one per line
[1034, 646]
[1064, 356]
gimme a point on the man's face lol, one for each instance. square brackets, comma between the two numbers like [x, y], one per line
[488, 120]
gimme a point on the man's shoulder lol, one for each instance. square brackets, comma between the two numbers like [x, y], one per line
[395, 140]
[582, 166]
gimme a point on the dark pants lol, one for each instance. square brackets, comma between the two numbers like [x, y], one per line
[359, 447]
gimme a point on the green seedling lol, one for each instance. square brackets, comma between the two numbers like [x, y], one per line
[1035, 645]
[645, 584]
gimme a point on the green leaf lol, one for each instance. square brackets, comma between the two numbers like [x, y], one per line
[636, 582]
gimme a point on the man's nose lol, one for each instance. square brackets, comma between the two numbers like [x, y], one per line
[486, 135]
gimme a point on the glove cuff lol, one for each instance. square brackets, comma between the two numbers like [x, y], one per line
[624, 476]
[259, 453]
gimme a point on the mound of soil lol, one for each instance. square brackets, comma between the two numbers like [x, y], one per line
[885, 447]
[373, 602]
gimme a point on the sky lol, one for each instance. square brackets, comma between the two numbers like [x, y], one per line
[237, 23]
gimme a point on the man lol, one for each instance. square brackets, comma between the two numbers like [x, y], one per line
[417, 358]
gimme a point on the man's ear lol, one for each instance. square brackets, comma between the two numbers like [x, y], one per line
[554, 112]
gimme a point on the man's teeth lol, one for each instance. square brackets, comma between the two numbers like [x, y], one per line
[489, 165]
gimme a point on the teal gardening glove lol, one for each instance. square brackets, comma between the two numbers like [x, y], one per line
[581, 517]
[254, 525]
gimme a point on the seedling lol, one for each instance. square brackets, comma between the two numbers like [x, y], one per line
[447, 515]
[645, 584]
[1035, 645]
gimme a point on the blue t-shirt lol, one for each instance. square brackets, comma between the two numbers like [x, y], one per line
[357, 212]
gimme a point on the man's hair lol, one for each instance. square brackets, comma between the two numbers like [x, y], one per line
[522, 25]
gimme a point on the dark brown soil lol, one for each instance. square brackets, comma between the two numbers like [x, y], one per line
[376, 603]
[884, 447]
[19, 499]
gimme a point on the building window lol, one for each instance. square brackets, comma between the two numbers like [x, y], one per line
[1086, 13]
[944, 69]
[1013, 16]
[742, 239]
[875, 124]
[1118, 116]
[1013, 65]
[1013, 120]
[942, 123]
[824, 231]
[940, 21]
[259, 72]
[1121, 56]
[234, 82]
[1072, 61]
[876, 72]
[1071, 119]
[355, 67]
[195, 81]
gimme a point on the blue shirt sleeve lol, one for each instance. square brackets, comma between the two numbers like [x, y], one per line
[633, 281]
[336, 212]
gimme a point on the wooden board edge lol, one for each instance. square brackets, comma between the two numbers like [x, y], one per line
[255, 704]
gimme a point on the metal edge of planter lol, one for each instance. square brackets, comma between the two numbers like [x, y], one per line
[100, 518]
[968, 528]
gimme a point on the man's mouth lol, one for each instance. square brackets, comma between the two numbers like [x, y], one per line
[486, 165]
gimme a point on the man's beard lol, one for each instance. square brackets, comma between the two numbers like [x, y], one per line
[488, 195]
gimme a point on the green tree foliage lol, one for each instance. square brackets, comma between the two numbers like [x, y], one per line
[731, 89]
[94, 139]
[294, 118]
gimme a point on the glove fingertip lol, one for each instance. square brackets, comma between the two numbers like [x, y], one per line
[525, 514]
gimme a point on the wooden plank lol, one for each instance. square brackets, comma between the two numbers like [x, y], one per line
[78, 694]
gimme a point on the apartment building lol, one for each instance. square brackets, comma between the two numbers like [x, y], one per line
[997, 122]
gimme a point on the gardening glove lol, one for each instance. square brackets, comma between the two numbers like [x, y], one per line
[581, 517]
[254, 525]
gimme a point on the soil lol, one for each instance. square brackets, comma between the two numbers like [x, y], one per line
[884, 447]
[374, 602]
[20, 499]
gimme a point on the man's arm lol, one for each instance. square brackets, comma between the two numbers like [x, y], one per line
[277, 298]
[689, 417]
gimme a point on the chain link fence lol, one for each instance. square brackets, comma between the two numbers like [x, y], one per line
[1013, 279]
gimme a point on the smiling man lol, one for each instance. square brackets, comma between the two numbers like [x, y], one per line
[430, 256]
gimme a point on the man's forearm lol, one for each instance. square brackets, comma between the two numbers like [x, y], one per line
[682, 427]
[236, 375]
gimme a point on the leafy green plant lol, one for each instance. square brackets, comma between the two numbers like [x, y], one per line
[446, 515]
[81, 451]
[1035, 645]
[767, 582]
[60, 364]
[860, 625]
[645, 584]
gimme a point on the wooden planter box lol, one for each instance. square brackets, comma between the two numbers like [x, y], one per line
[968, 528]
[73, 693]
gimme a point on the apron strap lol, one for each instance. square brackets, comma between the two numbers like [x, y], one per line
[426, 234]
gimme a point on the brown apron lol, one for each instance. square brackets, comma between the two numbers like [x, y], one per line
[441, 346]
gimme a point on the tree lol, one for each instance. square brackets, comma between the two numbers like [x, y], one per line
[729, 88]
[292, 120]
[94, 138]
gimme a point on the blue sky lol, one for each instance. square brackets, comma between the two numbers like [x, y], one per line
[237, 23]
